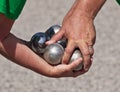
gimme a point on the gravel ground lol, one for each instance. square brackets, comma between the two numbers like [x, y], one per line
[104, 74]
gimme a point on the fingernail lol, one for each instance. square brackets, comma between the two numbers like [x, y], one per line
[48, 42]
[86, 68]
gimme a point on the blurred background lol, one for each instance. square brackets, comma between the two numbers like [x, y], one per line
[103, 76]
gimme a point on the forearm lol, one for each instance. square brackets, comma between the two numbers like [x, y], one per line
[16, 50]
[88, 8]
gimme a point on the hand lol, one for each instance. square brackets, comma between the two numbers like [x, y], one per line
[63, 70]
[80, 32]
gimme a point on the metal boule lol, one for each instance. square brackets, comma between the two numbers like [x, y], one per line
[63, 42]
[52, 30]
[38, 42]
[76, 55]
[53, 54]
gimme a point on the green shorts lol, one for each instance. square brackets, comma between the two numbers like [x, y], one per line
[118, 1]
[11, 8]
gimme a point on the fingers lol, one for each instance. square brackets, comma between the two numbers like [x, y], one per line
[74, 64]
[68, 52]
[77, 73]
[56, 37]
[67, 70]
[85, 53]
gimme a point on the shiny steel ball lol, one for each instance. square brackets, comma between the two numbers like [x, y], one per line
[52, 30]
[53, 54]
[63, 42]
[76, 54]
[38, 42]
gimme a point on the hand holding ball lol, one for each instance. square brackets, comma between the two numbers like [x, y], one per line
[53, 53]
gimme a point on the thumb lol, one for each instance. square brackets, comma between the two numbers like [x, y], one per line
[56, 37]
[75, 63]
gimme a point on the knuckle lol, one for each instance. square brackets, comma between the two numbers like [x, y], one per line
[91, 52]
[90, 43]
[67, 70]
[86, 53]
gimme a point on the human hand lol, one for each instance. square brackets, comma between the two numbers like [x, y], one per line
[66, 70]
[80, 32]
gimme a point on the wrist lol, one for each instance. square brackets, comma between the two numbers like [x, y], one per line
[85, 15]
[82, 17]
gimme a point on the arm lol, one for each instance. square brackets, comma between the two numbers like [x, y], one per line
[78, 27]
[88, 8]
[18, 52]
[15, 49]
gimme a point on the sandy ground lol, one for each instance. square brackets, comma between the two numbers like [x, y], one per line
[103, 76]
